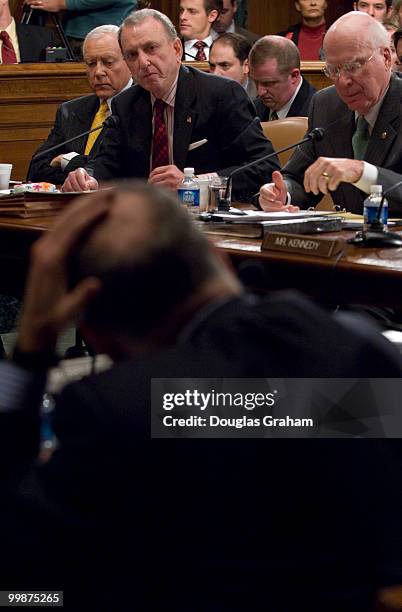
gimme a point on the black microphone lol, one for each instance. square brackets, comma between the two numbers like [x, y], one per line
[316, 134]
[376, 236]
[111, 121]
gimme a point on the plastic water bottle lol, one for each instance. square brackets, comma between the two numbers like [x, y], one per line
[189, 192]
[371, 206]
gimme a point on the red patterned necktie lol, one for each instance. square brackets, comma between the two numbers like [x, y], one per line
[7, 50]
[200, 56]
[160, 144]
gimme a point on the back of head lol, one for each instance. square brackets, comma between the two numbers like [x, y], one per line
[150, 257]
[240, 45]
[275, 47]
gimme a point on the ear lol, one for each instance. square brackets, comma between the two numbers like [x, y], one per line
[213, 16]
[234, 7]
[354, 6]
[246, 67]
[294, 75]
[387, 57]
[178, 48]
[297, 7]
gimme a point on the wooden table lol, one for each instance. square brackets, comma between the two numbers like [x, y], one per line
[366, 276]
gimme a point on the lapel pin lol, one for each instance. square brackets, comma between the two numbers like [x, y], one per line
[384, 135]
[188, 119]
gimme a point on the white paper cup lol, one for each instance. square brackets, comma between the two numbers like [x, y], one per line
[5, 173]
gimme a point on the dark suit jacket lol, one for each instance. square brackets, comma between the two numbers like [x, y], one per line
[207, 106]
[300, 106]
[33, 41]
[72, 118]
[384, 148]
[251, 36]
[260, 524]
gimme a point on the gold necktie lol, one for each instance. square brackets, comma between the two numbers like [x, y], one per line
[99, 118]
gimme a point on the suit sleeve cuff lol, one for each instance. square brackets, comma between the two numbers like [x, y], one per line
[67, 157]
[369, 177]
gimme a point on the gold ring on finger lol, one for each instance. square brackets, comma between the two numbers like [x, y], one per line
[326, 176]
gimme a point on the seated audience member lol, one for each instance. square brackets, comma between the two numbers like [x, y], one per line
[134, 513]
[81, 17]
[20, 42]
[396, 14]
[362, 145]
[195, 23]
[379, 9]
[229, 57]
[309, 33]
[214, 127]
[275, 68]
[397, 41]
[391, 28]
[108, 75]
[225, 23]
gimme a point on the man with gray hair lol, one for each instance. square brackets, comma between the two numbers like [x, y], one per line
[361, 116]
[108, 75]
[175, 117]
[274, 64]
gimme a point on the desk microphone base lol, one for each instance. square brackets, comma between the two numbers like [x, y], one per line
[379, 239]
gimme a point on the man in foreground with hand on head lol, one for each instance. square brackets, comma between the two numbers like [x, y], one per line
[108, 75]
[361, 115]
[175, 117]
[133, 510]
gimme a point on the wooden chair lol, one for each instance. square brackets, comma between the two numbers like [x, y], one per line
[284, 132]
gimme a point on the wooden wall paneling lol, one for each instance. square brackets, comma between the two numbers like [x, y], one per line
[30, 96]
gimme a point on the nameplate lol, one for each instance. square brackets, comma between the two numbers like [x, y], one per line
[297, 243]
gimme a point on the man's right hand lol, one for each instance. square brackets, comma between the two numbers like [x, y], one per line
[79, 180]
[273, 196]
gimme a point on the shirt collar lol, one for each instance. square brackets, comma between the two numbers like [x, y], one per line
[11, 29]
[170, 97]
[371, 116]
[282, 112]
[127, 86]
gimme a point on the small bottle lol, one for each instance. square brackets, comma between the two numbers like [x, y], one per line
[371, 206]
[189, 192]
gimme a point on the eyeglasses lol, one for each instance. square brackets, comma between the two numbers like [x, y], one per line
[352, 69]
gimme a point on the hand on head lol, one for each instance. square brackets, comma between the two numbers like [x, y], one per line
[273, 196]
[49, 304]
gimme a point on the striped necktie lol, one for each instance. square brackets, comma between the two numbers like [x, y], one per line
[273, 116]
[99, 118]
[8, 55]
[160, 142]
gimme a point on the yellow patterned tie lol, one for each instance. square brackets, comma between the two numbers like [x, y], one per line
[99, 118]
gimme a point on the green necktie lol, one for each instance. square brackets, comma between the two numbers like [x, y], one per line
[360, 138]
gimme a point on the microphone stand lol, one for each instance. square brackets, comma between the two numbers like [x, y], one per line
[110, 121]
[316, 134]
[26, 18]
[376, 236]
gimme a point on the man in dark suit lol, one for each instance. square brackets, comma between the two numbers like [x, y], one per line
[361, 114]
[27, 43]
[138, 512]
[225, 23]
[229, 58]
[196, 19]
[204, 121]
[275, 68]
[108, 75]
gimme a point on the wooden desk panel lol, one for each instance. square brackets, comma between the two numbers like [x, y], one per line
[30, 95]
[366, 276]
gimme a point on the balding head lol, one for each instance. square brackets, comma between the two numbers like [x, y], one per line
[152, 261]
[358, 60]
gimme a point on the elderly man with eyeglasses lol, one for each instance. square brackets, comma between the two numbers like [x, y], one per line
[361, 115]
